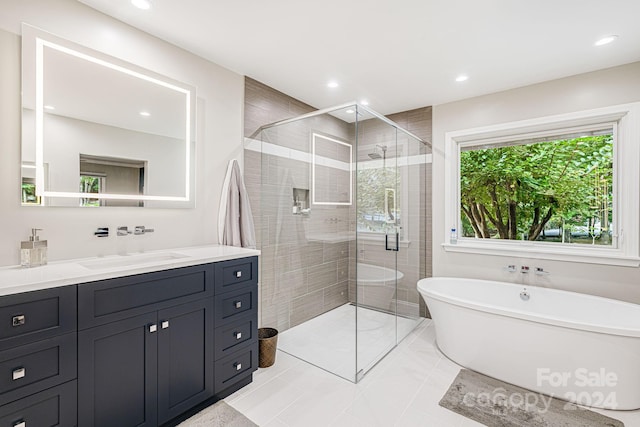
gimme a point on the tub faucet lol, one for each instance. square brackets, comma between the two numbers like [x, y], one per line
[540, 272]
[524, 295]
[524, 269]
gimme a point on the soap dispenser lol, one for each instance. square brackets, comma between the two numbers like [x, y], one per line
[33, 252]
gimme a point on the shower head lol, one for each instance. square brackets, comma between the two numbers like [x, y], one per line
[376, 155]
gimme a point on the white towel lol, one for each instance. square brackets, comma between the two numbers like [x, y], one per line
[235, 221]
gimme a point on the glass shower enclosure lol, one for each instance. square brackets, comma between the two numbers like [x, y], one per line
[342, 235]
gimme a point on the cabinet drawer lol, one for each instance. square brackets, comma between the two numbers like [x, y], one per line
[233, 274]
[235, 367]
[231, 337]
[116, 299]
[34, 367]
[32, 316]
[233, 305]
[50, 408]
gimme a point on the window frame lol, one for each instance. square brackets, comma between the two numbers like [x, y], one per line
[625, 120]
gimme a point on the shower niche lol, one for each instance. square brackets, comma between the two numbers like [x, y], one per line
[300, 201]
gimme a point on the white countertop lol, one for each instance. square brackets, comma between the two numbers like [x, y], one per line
[16, 279]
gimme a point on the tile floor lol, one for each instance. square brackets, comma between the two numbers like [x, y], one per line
[329, 340]
[402, 390]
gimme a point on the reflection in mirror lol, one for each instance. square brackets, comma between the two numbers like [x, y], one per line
[331, 170]
[98, 131]
[112, 175]
[28, 187]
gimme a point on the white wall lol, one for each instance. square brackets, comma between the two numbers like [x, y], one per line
[70, 230]
[602, 88]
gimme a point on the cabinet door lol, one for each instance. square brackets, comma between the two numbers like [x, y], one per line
[185, 357]
[117, 368]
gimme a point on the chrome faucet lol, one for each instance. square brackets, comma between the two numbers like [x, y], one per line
[102, 232]
[141, 229]
[123, 230]
[524, 295]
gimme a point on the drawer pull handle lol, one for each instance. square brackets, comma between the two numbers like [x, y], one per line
[20, 423]
[19, 373]
[153, 328]
[18, 320]
[238, 274]
[238, 304]
[238, 366]
[238, 335]
[165, 324]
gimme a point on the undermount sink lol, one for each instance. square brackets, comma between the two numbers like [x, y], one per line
[129, 260]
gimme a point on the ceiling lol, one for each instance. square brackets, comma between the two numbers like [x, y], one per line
[398, 55]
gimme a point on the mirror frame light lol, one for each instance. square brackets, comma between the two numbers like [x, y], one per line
[332, 163]
[43, 39]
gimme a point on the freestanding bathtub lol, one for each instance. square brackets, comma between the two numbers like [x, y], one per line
[577, 347]
[376, 285]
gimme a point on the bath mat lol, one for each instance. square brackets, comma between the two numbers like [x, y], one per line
[497, 404]
[218, 415]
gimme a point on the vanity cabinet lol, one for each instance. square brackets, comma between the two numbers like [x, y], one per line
[139, 350]
[146, 370]
[149, 358]
[148, 343]
[38, 354]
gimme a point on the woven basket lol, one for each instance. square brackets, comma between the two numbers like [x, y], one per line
[267, 344]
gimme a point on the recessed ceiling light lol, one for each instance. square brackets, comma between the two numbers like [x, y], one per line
[141, 4]
[364, 102]
[332, 84]
[605, 40]
[350, 111]
[49, 107]
[145, 113]
[462, 78]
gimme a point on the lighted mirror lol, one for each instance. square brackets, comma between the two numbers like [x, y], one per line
[331, 171]
[99, 131]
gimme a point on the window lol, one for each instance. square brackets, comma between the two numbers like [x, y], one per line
[379, 207]
[94, 183]
[562, 187]
[384, 185]
[557, 189]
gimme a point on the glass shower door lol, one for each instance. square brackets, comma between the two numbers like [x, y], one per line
[378, 241]
[410, 211]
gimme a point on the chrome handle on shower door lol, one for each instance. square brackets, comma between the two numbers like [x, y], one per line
[386, 242]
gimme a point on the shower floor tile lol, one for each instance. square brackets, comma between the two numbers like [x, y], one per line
[329, 340]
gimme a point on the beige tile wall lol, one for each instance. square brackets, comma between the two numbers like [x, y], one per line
[301, 278]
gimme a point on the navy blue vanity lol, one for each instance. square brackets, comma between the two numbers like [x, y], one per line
[136, 350]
